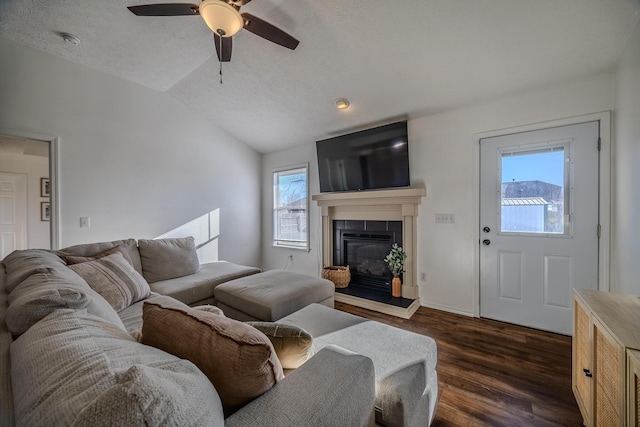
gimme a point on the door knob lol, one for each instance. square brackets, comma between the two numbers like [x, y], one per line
[486, 229]
[486, 242]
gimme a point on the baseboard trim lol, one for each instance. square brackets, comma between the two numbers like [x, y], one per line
[403, 313]
[448, 309]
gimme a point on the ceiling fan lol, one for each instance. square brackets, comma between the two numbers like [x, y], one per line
[223, 17]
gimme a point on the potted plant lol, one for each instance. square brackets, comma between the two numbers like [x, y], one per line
[395, 259]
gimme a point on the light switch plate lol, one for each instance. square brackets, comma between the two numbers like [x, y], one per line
[85, 222]
[445, 218]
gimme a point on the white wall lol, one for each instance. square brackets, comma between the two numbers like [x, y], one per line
[134, 160]
[442, 159]
[34, 167]
[625, 263]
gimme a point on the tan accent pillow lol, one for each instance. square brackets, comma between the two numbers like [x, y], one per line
[164, 259]
[210, 308]
[115, 279]
[293, 345]
[71, 259]
[238, 359]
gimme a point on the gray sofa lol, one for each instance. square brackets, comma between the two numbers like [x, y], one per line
[171, 267]
[68, 357]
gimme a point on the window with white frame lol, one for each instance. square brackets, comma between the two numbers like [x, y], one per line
[290, 206]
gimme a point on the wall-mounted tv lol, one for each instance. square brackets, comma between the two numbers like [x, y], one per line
[365, 160]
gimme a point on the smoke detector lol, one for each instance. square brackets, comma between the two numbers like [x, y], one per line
[70, 39]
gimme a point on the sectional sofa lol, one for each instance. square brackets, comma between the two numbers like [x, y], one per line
[86, 340]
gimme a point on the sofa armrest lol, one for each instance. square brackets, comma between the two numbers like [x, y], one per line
[334, 388]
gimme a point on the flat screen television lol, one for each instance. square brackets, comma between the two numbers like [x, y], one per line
[369, 159]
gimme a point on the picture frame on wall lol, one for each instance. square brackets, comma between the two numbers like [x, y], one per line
[45, 189]
[45, 211]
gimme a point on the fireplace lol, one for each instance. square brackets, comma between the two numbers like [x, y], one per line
[363, 245]
[398, 205]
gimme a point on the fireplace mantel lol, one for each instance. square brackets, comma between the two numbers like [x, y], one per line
[376, 205]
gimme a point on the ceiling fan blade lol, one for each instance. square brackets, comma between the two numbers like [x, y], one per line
[227, 44]
[267, 31]
[165, 9]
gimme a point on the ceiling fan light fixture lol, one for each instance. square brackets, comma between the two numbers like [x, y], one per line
[222, 18]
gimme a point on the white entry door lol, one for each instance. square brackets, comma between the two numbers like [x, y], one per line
[539, 224]
[13, 213]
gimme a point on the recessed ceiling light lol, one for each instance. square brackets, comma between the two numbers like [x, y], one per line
[70, 39]
[342, 103]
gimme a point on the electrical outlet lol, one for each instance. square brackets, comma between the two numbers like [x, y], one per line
[291, 258]
[85, 222]
[423, 277]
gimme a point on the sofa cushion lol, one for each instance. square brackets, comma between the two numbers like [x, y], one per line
[6, 395]
[71, 259]
[292, 344]
[238, 359]
[91, 249]
[73, 368]
[132, 315]
[115, 279]
[198, 287]
[22, 264]
[149, 396]
[168, 258]
[53, 288]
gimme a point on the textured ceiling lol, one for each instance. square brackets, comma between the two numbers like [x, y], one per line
[390, 58]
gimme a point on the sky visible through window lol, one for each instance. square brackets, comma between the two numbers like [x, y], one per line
[293, 187]
[545, 166]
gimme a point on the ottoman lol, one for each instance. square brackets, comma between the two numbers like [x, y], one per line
[404, 362]
[271, 295]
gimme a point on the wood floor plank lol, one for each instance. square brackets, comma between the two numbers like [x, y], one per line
[492, 373]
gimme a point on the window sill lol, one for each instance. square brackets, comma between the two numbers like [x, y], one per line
[295, 248]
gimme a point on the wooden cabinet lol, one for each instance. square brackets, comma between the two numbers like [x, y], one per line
[606, 351]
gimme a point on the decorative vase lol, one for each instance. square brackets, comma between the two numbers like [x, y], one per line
[396, 287]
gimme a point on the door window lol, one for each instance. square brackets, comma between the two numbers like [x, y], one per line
[533, 190]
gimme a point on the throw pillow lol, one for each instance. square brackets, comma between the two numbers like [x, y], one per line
[238, 359]
[164, 259]
[292, 344]
[115, 279]
[71, 259]
[150, 396]
[21, 264]
[210, 308]
[90, 249]
[75, 369]
[54, 288]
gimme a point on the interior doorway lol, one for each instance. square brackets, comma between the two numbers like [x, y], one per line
[13, 212]
[29, 217]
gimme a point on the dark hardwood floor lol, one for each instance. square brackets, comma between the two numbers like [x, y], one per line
[492, 373]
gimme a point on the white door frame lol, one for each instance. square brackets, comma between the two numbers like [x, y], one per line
[604, 180]
[54, 181]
